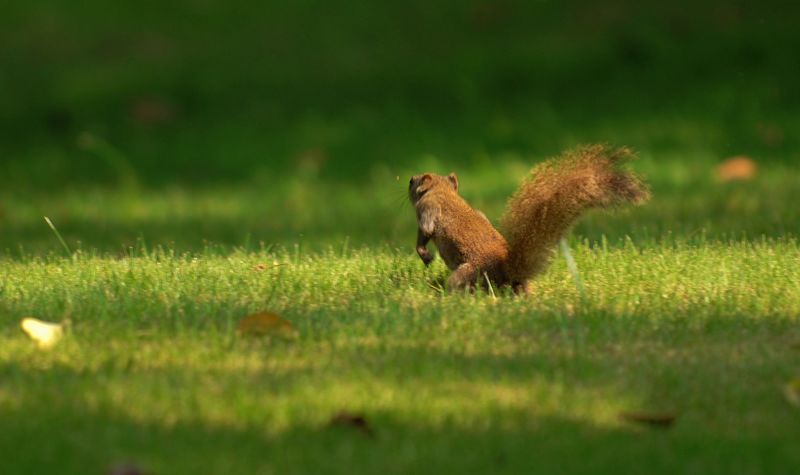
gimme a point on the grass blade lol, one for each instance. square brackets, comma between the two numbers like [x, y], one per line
[58, 235]
[572, 266]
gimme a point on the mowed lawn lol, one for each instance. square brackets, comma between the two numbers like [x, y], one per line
[203, 162]
[152, 369]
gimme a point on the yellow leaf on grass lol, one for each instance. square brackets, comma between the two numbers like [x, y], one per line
[738, 168]
[792, 392]
[45, 334]
[265, 324]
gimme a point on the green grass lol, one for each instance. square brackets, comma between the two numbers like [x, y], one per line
[252, 88]
[314, 213]
[153, 370]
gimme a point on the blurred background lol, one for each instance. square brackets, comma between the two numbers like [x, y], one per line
[192, 123]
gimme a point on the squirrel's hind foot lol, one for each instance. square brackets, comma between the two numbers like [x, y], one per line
[463, 277]
[521, 288]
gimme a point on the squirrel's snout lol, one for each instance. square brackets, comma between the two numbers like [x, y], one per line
[411, 188]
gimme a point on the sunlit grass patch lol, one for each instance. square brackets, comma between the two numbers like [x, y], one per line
[704, 332]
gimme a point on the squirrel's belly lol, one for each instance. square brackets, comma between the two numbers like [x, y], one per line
[488, 255]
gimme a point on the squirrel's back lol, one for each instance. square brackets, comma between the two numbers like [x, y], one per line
[461, 233]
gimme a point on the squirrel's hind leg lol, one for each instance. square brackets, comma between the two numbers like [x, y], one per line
[521, 288]
[464, 276]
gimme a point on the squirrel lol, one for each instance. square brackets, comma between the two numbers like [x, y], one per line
[543, 209]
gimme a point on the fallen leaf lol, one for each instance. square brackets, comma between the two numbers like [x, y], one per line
[125, 469]
[262, 266]
[661, 420]
[356, 421]
[792, 392]
[151, 111]
[487, 15]
[771, 134]
[45, 334]
[264, 324]
[310, 161]
[739, 168]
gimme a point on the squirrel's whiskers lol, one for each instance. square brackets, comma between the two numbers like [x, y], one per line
[400, 198]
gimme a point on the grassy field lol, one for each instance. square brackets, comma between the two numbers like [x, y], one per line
[205, 161]
[153, 370]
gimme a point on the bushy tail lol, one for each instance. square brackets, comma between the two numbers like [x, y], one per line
[556, 194]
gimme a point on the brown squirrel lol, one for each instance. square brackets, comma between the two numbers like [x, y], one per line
[544, 208]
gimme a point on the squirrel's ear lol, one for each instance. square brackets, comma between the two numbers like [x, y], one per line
[424, 183]
[454, 180]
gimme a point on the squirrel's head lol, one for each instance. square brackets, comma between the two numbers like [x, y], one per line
[419, 185]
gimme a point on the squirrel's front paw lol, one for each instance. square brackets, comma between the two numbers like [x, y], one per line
[426, 257]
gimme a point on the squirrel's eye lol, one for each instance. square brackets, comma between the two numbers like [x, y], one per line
[410, 181]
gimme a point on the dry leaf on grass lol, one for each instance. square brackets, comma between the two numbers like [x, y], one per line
[266, 324]
[771, 134]
[45, 334]
[792, 392]
[661, 420]
[356, 421]
[125, 469]
[152, 111]
[739, 168]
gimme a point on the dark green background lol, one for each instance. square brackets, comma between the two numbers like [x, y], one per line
[199, 96]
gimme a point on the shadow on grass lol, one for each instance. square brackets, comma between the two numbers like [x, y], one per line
[722, 385]
[68, 438]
